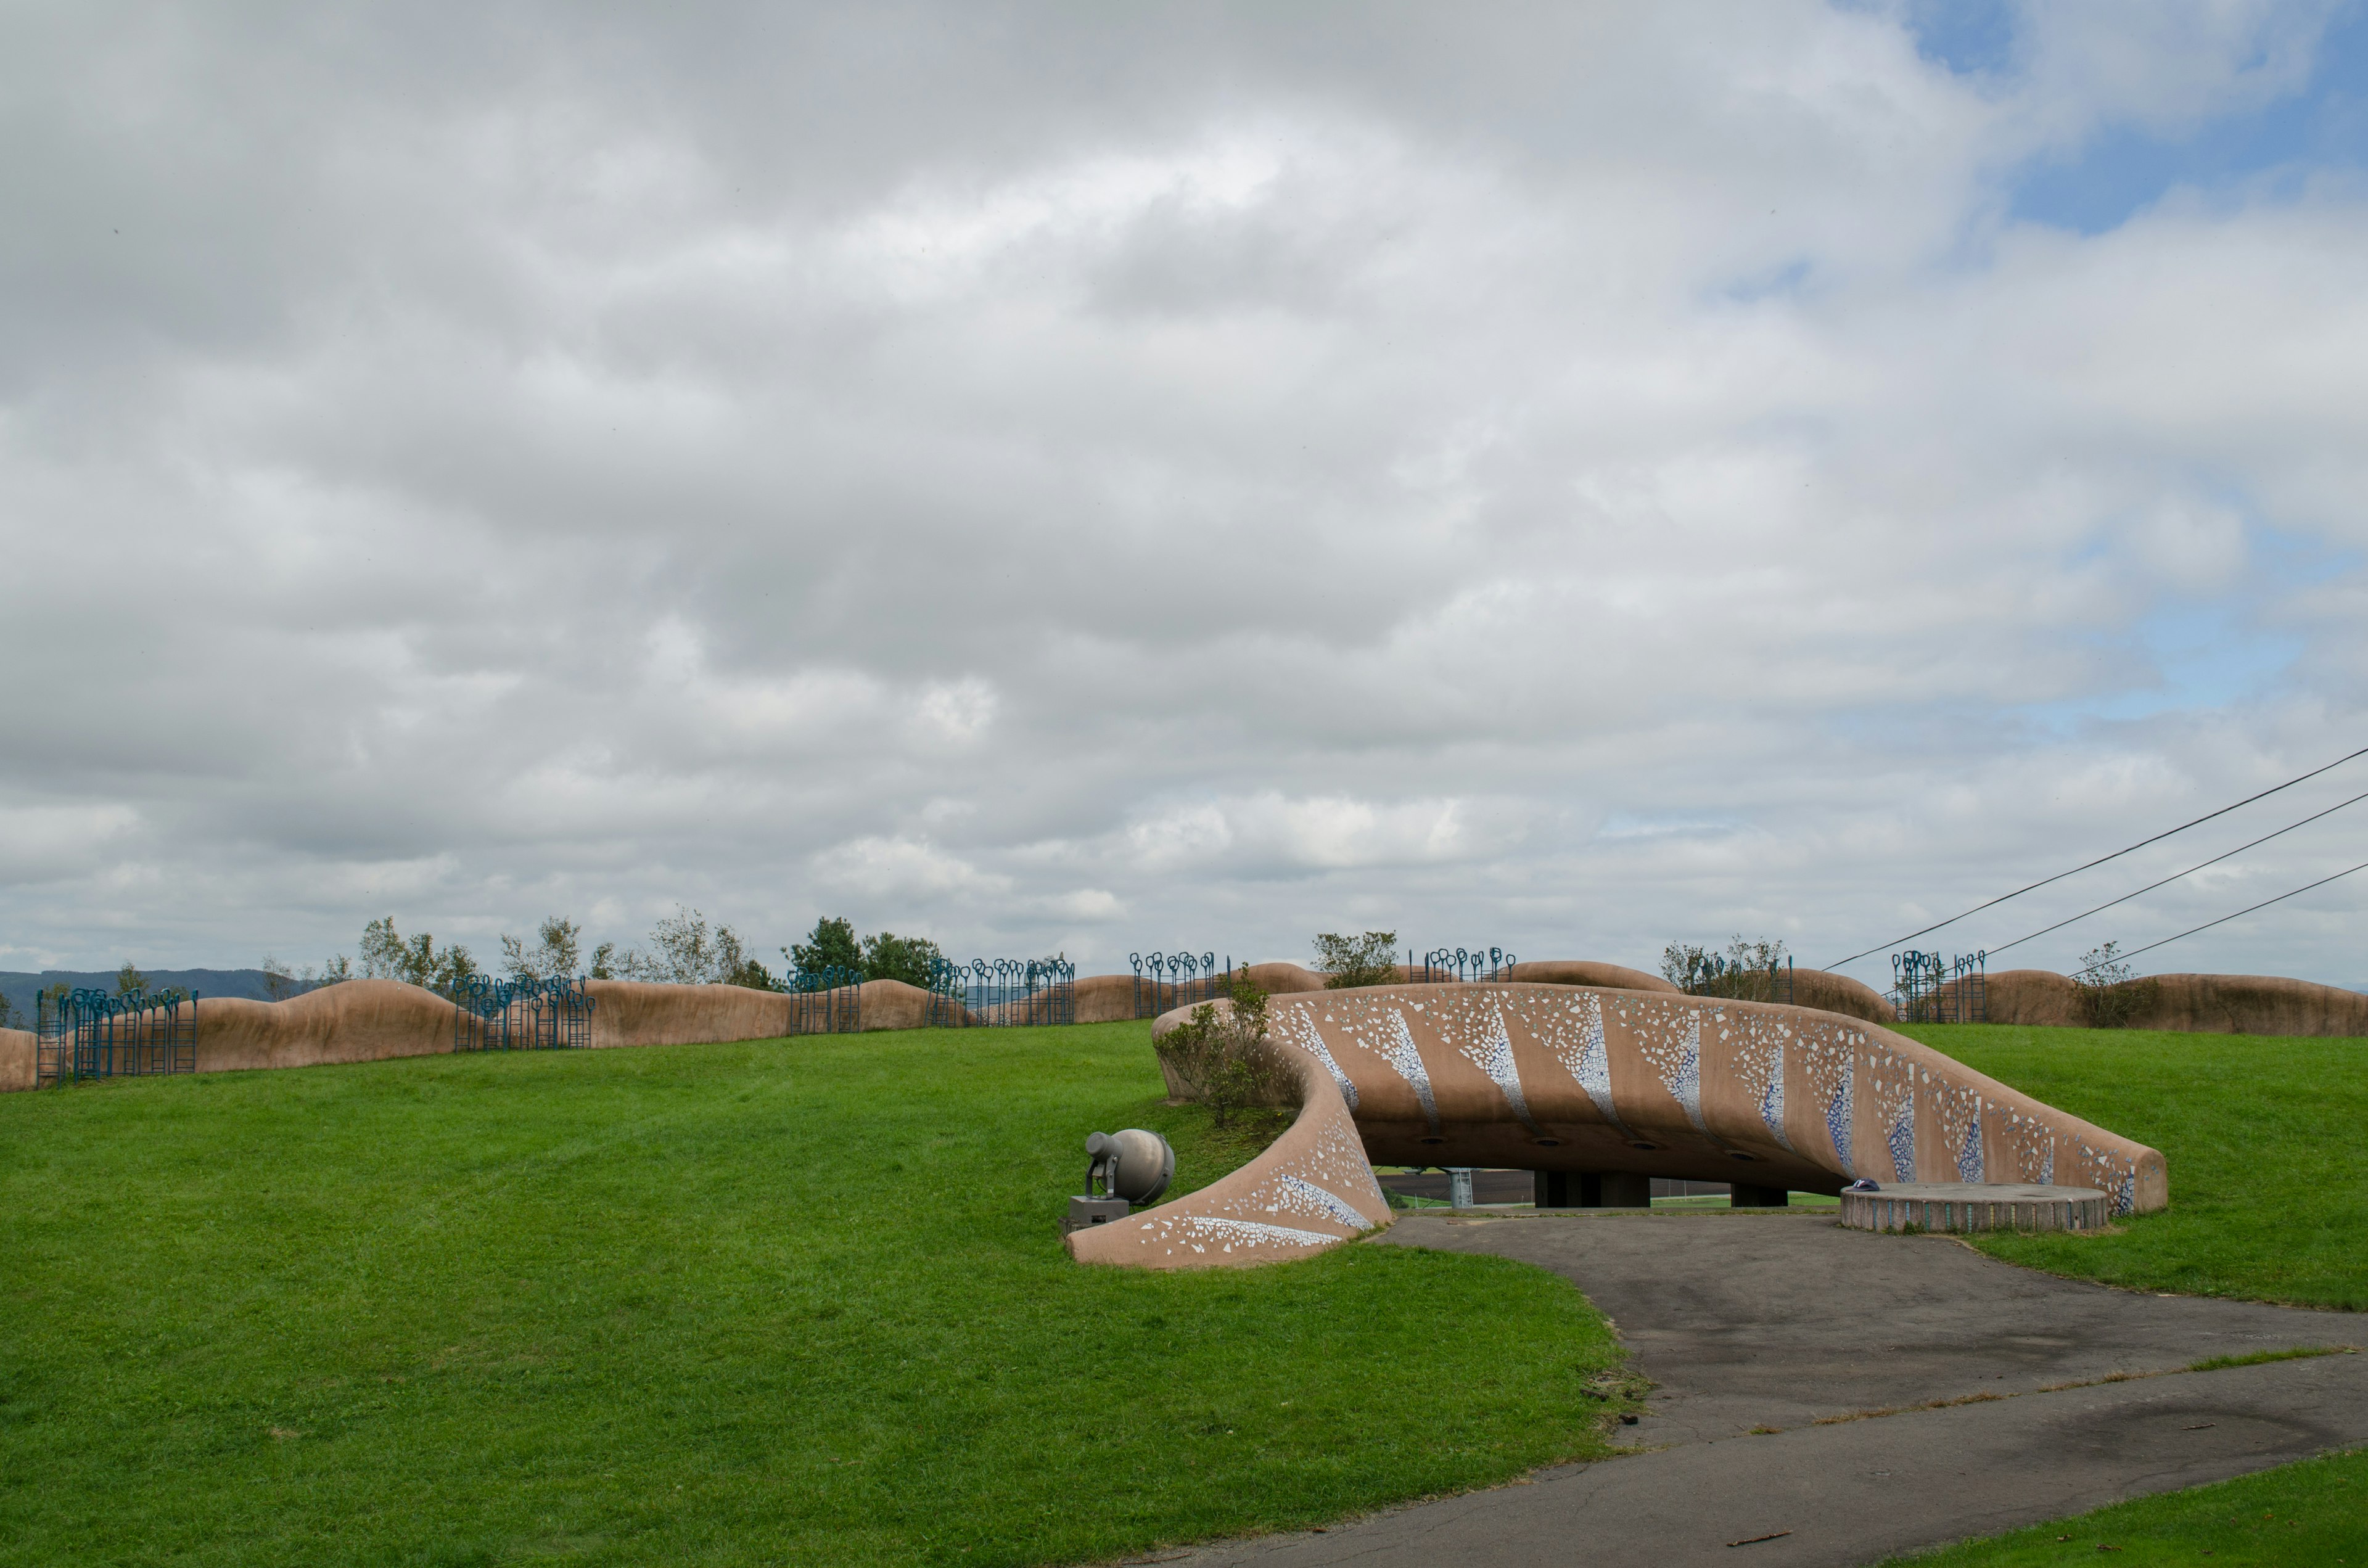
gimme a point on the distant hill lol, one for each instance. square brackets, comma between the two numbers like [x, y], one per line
[21, 988]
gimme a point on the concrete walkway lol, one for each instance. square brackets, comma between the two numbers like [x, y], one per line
[1782, 1321]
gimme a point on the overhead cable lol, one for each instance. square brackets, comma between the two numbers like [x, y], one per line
[2176, 875]
[2225, 918]
[2116, 855]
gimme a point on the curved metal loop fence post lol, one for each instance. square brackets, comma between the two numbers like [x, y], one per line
[1003, 993]
[1442, 966]
[88, 1033]
[1927, 990]
[1164, 982]
[525, 1013]
[948, 983]
[828, 1000]
[481, 1013]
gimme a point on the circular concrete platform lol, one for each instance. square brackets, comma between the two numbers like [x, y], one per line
[1976, 1206]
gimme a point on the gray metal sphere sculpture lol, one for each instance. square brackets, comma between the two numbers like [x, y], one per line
[1132, 1164]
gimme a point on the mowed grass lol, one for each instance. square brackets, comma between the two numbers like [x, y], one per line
[2315, 1512]
[787, 1301]
[2265, 1139]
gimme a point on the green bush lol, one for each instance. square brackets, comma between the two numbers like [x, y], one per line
[2109, 996]
[1225, 1059]
[1350, 961]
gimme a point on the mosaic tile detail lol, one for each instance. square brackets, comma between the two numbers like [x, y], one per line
[2102, 1169]
[1199, 1232]
[1581, 1050]
[1303, 1033]
[1669, 1037]
[1306, 1198]
[1891, 1090]
[1397, 1049]
[1493, 1054]
[2030, 1146]
[1959, 1111]
[1757, 1052]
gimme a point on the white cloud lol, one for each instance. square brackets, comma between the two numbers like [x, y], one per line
[1580, 477]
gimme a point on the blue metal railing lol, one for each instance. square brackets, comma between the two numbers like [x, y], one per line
[1164, 982]
[1002, 992]
[1928, 991]
[827, 1001]
[91, 1034]
[1442, 965]
[520, 1015]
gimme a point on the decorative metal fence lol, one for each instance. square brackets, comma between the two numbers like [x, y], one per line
[521, 1014]
[90, 1034]
[827, 1001]
[1442, 965]
[1928, 991]
[1714, 976]
[1002, 992]
[1164, 982]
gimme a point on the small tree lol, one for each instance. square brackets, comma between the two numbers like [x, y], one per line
[1225, 1059]
[386, 955]
[752, 974]
[128, 979]
[2110, 996]
[832, 944]
[1350, 961]
[278, 980]
[684, 950]
[909, 958]
[558, 949]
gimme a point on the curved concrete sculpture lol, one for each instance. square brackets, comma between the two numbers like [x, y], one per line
[1563, 1078]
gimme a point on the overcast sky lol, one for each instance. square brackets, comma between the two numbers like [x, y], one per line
[1099, 477]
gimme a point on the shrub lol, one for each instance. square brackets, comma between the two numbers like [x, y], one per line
[2109, 996]
[1746, 972]
[1347, 962]
[1225, 1059]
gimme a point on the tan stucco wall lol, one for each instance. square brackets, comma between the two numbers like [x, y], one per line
[362, 1020]
[369, 1020]
[1579, 972]
[1839, 993]
[17, 1064]
[2199, 1003]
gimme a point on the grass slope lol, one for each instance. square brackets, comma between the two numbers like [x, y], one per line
[782, 1302]
[2316, 1512]
[2266, 1139]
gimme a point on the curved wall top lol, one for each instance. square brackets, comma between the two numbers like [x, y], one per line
[1547, 1077]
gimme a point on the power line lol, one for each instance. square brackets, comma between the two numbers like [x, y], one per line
[2225, 918]
[2175, 876]
[2116, 855]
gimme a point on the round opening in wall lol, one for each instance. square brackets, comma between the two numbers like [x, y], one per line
[1547, 1142]
[1739, 1155]
[1648, 1147]
[1431, 1140]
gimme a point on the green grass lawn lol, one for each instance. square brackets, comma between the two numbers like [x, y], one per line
[795, 1301]
[2315, 1513]
[2266, 1139]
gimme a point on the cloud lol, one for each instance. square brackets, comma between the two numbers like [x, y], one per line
[1567, 479]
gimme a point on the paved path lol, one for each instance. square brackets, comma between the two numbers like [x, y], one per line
[1776, 1321]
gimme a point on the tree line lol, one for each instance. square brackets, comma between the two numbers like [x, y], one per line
[683, 949]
